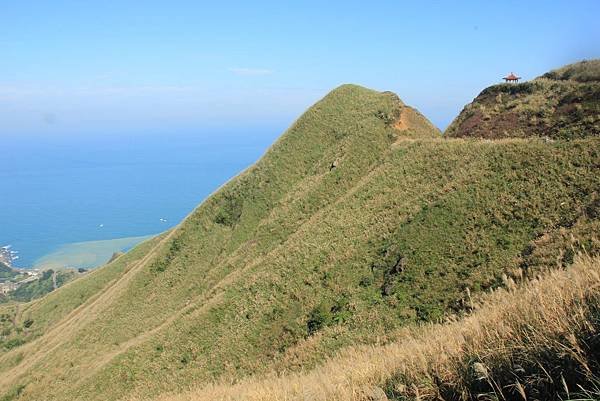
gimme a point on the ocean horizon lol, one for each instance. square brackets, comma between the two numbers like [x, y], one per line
[73, 201]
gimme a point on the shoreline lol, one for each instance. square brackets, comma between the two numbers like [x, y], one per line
[86, 254]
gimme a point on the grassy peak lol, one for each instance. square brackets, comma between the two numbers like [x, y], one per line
[350, 110]
[349, 89]
[582, 71]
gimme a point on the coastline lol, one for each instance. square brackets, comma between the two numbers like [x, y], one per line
[87, 254]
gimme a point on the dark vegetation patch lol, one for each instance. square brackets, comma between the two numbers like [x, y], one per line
[161, 263]
[327, 314]
[13, 393]
[230, 209]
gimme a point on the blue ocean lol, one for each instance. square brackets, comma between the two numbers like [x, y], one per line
[110, 192]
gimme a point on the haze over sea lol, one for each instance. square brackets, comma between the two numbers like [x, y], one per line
[60, 193]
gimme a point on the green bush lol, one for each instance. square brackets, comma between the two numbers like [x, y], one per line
[230, 210]
[318, 318]
[13, 343]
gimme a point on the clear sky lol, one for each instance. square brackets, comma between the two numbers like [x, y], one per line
[85, 67]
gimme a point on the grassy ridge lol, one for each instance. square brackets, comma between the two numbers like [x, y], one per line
[359, 221]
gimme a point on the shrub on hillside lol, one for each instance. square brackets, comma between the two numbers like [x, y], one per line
[230, 210]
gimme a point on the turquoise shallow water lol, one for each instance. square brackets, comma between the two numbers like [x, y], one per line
[87, 254]
[60, 192]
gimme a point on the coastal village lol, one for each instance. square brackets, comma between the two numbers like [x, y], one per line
[14, 277]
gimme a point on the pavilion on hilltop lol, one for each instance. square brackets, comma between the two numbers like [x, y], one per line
[511, 78]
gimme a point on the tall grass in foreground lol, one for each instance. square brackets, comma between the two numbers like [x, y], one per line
[539, 341]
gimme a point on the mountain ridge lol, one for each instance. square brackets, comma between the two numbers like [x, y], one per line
[359, 221]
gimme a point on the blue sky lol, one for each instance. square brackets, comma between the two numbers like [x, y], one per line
[87, 67]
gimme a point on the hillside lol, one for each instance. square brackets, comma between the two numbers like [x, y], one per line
[360, 221]
[534, 343]
[561, 104]
[16, 320]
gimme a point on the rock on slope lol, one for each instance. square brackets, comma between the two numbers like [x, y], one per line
[561, 104]
[358, 221]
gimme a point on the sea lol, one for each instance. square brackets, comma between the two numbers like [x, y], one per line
[72, 201]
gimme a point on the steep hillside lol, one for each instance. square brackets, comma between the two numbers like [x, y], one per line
[536, 342]
[561, 104]
[359, 221]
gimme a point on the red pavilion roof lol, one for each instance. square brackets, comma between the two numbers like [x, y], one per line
[511, 77]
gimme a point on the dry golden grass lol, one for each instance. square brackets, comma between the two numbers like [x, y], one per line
[512, 346]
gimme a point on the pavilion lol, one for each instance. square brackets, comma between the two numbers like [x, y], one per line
[511, 78]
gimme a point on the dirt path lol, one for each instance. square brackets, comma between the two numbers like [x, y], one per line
[15, 316]
[402, 123]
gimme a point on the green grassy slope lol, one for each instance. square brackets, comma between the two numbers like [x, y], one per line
[359, 220]
[561, 104]
[21, 323]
